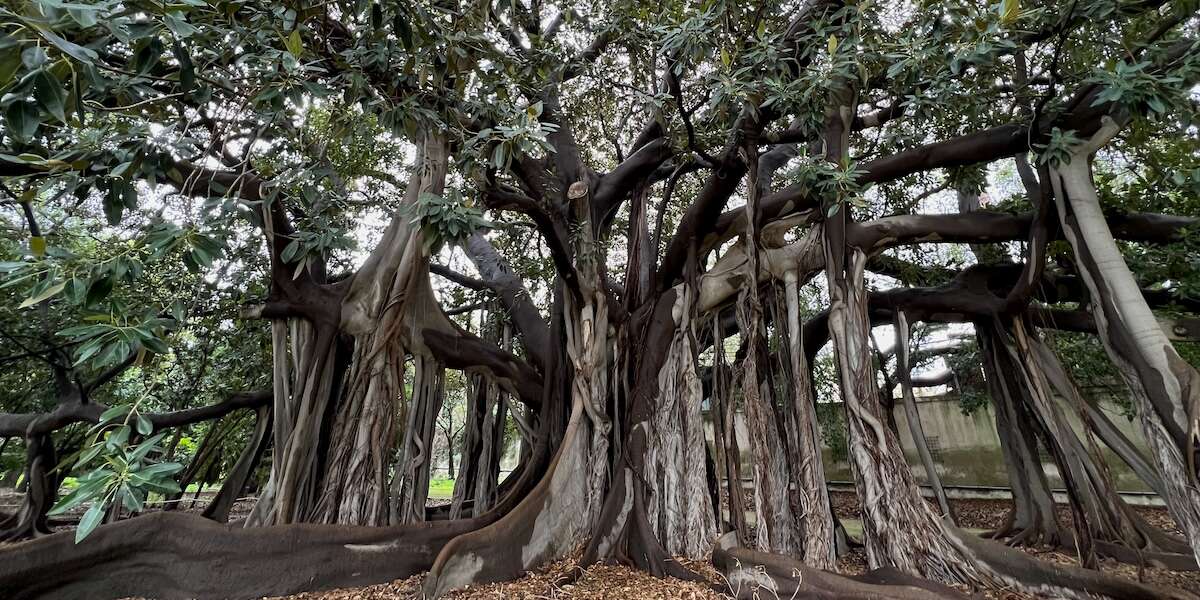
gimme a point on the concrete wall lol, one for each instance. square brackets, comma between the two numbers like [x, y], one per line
[967, 448]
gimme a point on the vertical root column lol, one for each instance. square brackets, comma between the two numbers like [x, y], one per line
[361, 443]
[899, 529]
[561, 512]
[410, 483]
[1166, 388]
[816, 516]
[775, 525]
[680, 507]
[41, 481]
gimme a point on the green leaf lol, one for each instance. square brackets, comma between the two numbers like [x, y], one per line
[118, 437]
[144, 426]
[162, 469]
[33, 57]
[403, 31]
[23, 120]
[90, 454]
[9, 63]
[114, 204]
[178, 26]
[155, 345]
[89, 522]
[85, 16]
[187, 71]
[145, 447]
[294, 44]
[133, 499]
[499, 156]
[50, 95]
[79, 53]
[1010, 10]
[163, 486]
[85, 491]
[88, 350]
[45, 295]
[99, 290]
[113, 413]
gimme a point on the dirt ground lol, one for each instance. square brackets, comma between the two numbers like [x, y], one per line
[566, 580]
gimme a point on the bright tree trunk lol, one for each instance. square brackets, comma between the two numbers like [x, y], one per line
[913, 416]
[1166, 388]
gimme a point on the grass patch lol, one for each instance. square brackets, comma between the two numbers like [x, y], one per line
[441, 489]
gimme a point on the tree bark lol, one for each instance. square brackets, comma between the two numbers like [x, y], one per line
[1033, 519]
[1166, 388]
[681, 511]
[235, 482]
[911, 414]
[41, 489]
[775, 522]
[808, 473]
[172, 556]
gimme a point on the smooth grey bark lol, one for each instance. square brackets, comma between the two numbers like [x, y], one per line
[1166, 387]
[913, 417]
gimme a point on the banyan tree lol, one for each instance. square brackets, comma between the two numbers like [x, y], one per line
[622, 227]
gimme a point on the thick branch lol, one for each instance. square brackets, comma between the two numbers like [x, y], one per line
[19, 424]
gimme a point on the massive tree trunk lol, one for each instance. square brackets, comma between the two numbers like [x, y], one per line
[1166, 387]
[775, 522]
[341, 405]
[561, 512]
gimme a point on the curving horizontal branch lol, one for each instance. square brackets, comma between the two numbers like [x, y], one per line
[616, 185]
[21, 424]
[805, 257]
[1082, 115]
[469, 352]
[554, 232]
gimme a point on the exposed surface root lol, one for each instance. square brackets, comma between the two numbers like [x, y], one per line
[752, 574]
[169, 555]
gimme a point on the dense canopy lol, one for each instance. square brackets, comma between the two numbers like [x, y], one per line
[307, 251]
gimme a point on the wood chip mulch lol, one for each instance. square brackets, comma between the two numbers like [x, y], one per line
[563, 579]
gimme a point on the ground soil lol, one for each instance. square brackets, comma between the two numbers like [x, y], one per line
[565, 580]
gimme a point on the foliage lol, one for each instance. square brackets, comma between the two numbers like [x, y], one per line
[118, 472]
[832, 422]
[1057, 151]
[446, 219]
